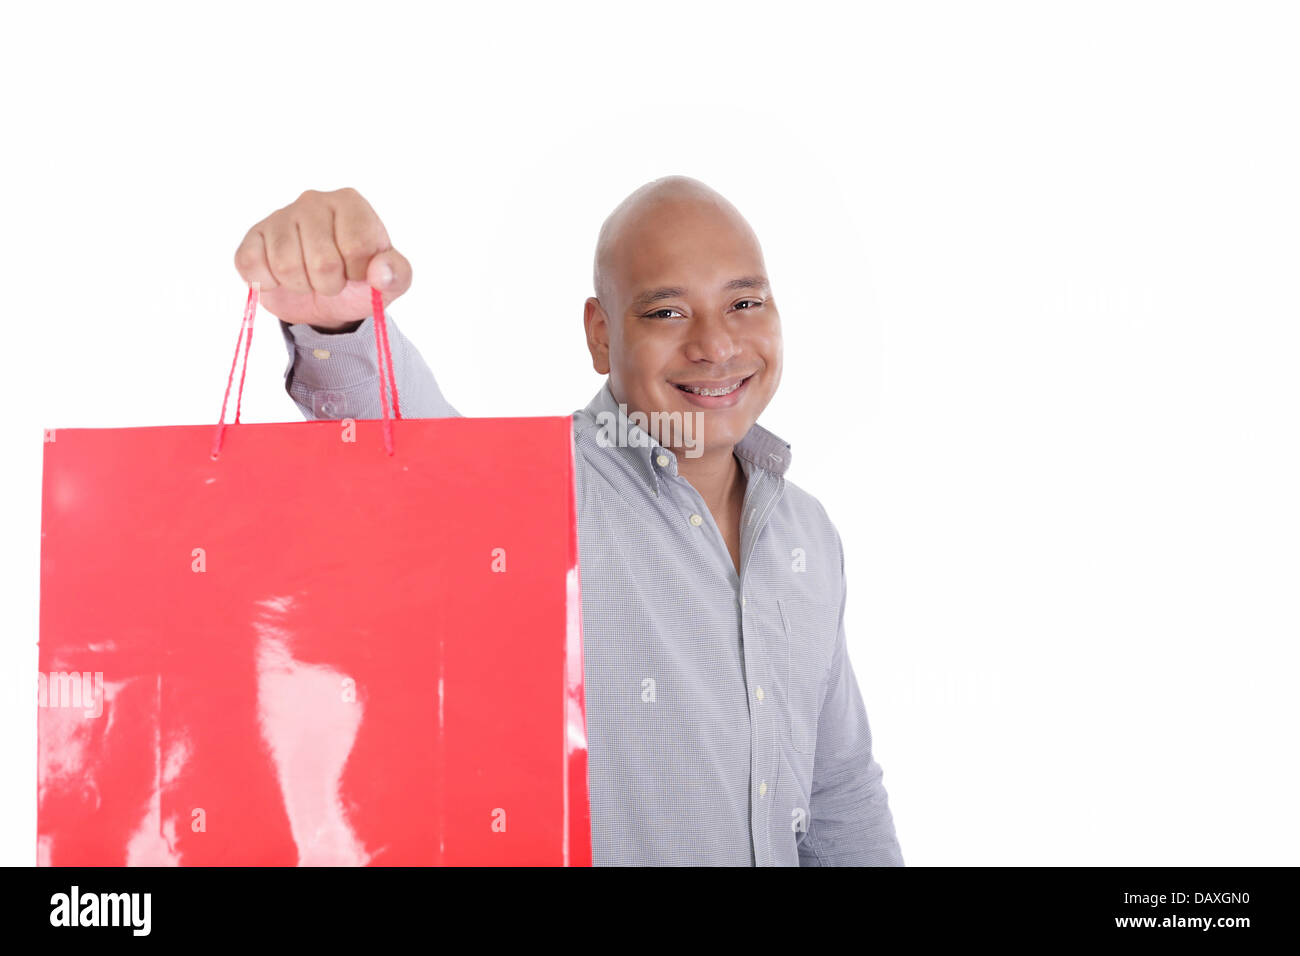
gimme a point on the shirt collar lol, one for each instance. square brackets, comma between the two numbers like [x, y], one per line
[759, 448]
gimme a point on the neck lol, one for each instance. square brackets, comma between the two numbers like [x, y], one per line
[716, 475]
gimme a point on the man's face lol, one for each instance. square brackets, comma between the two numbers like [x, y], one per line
[690, 310]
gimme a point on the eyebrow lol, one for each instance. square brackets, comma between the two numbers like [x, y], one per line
[672, 292]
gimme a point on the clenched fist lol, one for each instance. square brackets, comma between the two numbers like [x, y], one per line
[318, 257]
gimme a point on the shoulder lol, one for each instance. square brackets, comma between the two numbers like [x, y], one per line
[592, 430]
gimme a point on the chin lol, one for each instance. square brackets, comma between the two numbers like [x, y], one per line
[722, 434]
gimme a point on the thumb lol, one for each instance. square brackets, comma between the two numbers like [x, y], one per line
[390, 273]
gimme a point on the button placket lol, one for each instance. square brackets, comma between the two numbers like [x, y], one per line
[697, 516]
[766, 728]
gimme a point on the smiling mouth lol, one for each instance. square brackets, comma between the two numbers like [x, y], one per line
[714, 391]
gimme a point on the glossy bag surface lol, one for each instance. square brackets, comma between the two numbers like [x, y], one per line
[307, 651]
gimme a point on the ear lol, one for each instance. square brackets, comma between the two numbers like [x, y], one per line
[596, 323]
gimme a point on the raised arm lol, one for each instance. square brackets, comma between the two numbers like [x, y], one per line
[316, 260]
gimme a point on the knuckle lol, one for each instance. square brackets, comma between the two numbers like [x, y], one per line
[324, 265]
[360, 242]
[281, 248]
[286, 265]
[354, 247]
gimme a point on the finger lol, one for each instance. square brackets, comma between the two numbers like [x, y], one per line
[390, 273]
[358, 233]
[284, 254]
[320, 256]
[250, 260]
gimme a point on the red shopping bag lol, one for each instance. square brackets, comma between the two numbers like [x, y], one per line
[278, 644]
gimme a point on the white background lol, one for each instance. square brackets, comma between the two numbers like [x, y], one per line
[1037, 266]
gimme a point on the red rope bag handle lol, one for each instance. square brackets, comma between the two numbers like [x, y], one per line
[383, 353]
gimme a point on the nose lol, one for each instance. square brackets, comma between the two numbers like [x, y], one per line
[712, 340]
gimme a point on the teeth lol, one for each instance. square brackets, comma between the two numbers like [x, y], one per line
[712, 392]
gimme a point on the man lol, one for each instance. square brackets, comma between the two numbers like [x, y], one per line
[724, 721]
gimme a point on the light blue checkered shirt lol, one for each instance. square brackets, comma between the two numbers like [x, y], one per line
[724, 721]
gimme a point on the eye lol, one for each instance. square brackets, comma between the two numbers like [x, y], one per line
[748, 303]
[659, 314]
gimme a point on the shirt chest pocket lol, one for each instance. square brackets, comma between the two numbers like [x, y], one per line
[810, 631]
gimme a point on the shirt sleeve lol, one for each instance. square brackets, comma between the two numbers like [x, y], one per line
[336, 376]
[850, 823]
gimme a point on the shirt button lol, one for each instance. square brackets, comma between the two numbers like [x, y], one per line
[321, 353]
[742, 602]
[758, 692]
[662, 460]
[697, 520]
[762, 789]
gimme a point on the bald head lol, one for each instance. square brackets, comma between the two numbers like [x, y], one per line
[649, 208]
[683, 320]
